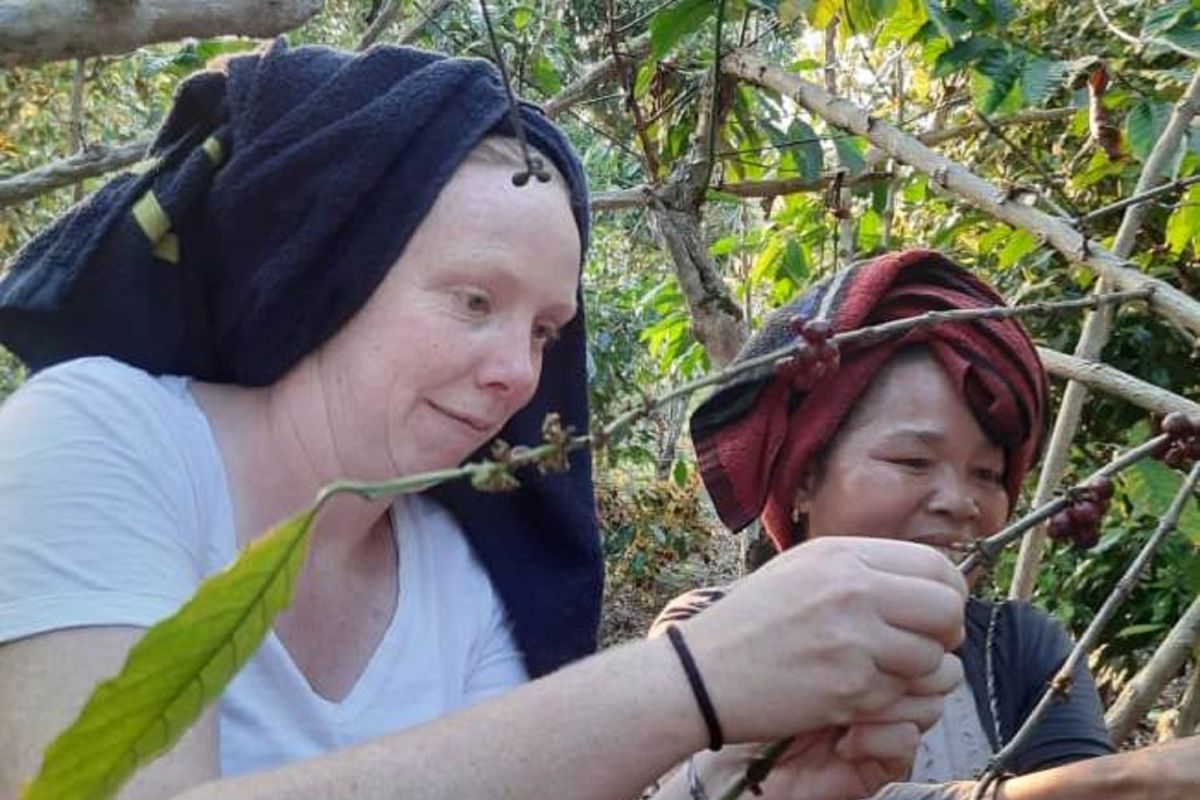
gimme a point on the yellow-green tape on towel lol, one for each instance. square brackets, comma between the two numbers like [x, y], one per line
[150, 216]
[216, 153]
[167, 248]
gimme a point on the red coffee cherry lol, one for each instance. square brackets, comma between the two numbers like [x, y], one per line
[1061, 528]
[1178, 425]
[1085, 513]
[1101, 489]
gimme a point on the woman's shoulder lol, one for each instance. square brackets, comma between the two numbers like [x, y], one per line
[94, 391]
[92, 417]
[98, 375]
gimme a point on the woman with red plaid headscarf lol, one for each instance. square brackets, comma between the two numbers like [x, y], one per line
[925, 437]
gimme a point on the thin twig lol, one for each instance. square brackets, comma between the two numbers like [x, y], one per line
[624, 72]
[429, 15]
[643, 17]
[1137, 41]
[386, 16]
[1047, 178]
[757, 769]
[986, 550]
[1133, 200]
[715, 112]
[75, 126]
[1060, 685]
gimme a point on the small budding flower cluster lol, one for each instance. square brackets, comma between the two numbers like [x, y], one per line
[815, 357]
[1079, 522]
[1183, 446]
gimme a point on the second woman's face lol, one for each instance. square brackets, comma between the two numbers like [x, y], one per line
[451, 344]
[909, 463]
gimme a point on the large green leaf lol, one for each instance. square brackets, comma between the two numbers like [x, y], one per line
[1167, 16]
[950, 28]
[675, 21]
[1144, 125]
[1152, 486]
[1002, 71]
[1183, 226]
[851, 152]
[864, 15]
[823, 12]
[963, 52]
[806, 146]
[1041, 77]
[175, 670]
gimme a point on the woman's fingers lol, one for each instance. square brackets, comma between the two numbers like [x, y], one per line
[908, 559]
[892, 742]
[924, 607]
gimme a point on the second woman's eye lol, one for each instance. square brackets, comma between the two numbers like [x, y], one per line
[913, 462]
[990, 475]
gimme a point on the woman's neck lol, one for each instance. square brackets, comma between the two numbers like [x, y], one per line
[278, 452]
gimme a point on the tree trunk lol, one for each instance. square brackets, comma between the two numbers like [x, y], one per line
[34, 32]
[716, 318]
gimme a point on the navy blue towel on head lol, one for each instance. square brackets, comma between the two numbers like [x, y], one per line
[282, 188]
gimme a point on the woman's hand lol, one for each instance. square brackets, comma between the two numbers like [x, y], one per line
[831, 764]
[838, 631]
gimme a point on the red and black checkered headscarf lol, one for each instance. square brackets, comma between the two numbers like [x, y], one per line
[754, 437]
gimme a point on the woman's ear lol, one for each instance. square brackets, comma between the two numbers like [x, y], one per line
[805, 487]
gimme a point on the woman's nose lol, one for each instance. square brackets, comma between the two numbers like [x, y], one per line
[512, 365]
[952, 496]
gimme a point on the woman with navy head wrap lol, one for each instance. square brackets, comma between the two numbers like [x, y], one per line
[344, 266]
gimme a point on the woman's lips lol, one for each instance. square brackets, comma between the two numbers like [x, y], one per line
[474, 423]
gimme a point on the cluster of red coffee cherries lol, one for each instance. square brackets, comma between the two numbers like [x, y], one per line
[1079, 522]
[1183, 446]
[816, 357]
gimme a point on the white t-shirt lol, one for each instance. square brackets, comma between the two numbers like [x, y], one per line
[113, 508]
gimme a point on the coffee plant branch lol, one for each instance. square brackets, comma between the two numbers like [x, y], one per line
[1060, 685]
[1168, 301]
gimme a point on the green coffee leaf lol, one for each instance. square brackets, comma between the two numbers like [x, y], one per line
[179, 667]
[674, 22]
[1144, 125]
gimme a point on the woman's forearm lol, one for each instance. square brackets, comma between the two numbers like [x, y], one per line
[604, 728]
[1161, 772]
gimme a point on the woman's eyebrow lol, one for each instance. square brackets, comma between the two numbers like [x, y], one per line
[923, 435]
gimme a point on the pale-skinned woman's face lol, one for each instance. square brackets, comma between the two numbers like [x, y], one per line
[450, 345]
[910, 462]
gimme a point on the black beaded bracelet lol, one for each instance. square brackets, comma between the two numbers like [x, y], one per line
[715, 738]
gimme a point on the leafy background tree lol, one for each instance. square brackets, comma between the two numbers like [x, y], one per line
[1058, 104]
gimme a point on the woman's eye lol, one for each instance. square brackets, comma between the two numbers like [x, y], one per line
[912, 462]
[990, 475]
[475, 302]
[546, 334]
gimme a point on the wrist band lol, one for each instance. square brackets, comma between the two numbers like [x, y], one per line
[715, 738]
[695, 787]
